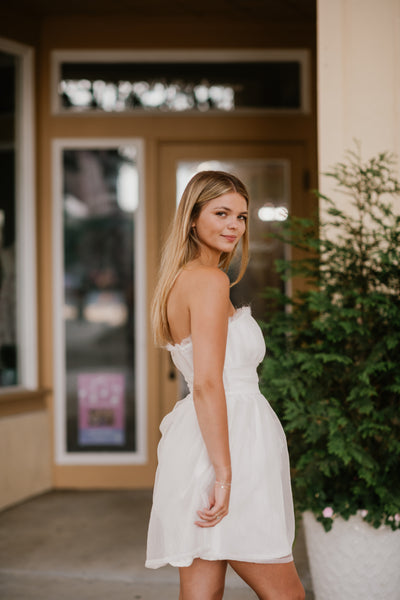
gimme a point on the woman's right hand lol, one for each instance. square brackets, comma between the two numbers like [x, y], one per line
[219, 506]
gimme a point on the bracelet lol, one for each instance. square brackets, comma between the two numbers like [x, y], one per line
[223, 484]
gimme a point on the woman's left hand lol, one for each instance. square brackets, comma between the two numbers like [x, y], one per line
[219, 505]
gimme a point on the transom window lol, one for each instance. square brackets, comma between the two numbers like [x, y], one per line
[187, 82]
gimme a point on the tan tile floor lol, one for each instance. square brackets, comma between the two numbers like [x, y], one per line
[91, 545]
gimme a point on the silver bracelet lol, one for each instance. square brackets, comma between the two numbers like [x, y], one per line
[223, 484]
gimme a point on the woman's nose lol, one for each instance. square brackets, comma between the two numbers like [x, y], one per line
[233, 224]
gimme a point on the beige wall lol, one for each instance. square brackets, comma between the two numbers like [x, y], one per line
[25, 468]
[358, 78]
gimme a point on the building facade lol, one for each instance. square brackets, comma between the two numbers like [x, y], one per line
[107, 112]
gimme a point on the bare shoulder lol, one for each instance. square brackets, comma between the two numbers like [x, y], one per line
[201, 276]
[196, 283]
[207, 292]
[199, 300]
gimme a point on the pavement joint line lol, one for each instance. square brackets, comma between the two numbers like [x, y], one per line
[93, 576]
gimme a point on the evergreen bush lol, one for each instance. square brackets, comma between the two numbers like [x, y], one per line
[332, 371]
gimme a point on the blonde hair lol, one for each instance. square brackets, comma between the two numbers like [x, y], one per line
[183, 245]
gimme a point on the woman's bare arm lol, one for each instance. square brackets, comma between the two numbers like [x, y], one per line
[209, 307]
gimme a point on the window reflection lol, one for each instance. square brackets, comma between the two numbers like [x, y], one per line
[126, 95]
[99, 204]
[179, 87]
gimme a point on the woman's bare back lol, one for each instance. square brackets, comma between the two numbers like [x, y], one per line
[178, 306]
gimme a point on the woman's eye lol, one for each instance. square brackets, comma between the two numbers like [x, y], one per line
[221, 214]
[243, 218]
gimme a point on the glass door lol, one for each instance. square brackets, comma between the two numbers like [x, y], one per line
[274, 178]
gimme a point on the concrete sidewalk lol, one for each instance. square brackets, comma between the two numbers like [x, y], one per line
[91, 546]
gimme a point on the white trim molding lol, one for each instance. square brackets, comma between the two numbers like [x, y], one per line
[63, 457]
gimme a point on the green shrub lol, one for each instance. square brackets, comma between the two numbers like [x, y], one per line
[332, 372]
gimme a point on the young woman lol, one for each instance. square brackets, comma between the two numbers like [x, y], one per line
[222, 492]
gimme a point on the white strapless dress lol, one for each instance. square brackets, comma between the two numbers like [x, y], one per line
[260, 524]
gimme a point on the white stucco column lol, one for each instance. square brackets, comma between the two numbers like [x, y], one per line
[358, 79]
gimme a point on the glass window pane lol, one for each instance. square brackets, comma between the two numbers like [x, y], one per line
[267, 182]
[100, 202]
[9, 346]
[181, 86]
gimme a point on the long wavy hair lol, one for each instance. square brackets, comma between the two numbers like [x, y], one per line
[183, 245]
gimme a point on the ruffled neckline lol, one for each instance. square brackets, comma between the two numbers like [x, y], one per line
[188, 340]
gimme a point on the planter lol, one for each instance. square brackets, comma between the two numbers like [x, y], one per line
[353, 561]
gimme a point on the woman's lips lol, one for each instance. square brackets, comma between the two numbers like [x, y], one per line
[230, 238]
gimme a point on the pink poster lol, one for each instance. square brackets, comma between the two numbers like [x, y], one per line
[101, 399]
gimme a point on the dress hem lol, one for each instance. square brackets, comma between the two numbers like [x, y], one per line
[186, 560]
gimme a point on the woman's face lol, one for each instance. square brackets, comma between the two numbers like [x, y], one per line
[222, 222]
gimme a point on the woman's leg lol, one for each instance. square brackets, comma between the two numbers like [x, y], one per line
[278, 581]
[203, 580]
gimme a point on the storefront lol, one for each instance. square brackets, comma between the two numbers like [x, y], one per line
[113, 114]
